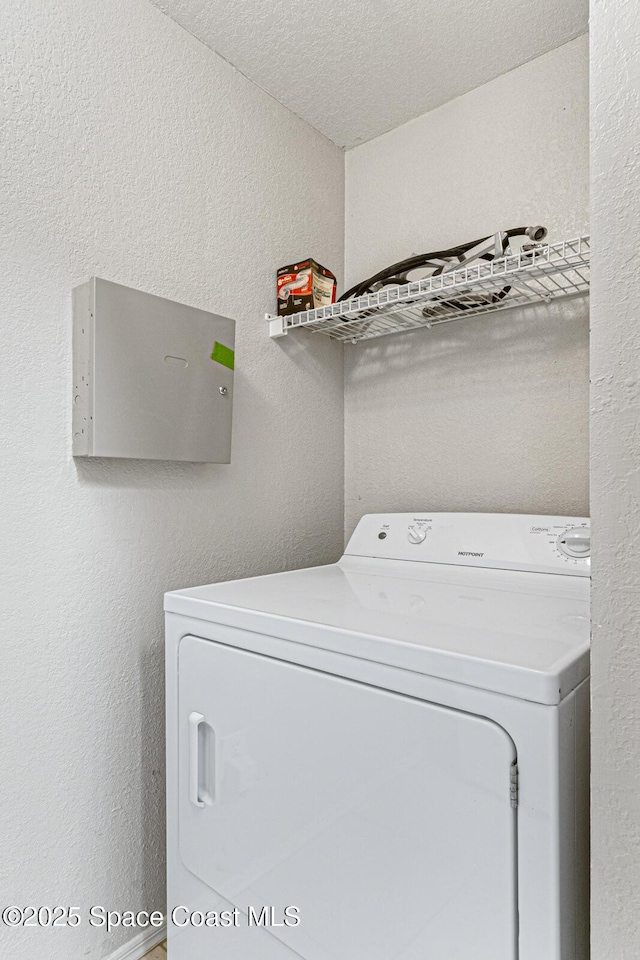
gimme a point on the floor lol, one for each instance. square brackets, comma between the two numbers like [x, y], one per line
[158, 953]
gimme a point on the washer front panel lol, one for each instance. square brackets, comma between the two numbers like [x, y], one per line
[386, 820]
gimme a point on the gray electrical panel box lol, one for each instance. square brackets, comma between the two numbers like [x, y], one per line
[152, 379]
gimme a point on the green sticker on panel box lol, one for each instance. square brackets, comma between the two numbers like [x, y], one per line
[223, 355]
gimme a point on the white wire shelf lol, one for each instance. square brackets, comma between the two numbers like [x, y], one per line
[547, 272]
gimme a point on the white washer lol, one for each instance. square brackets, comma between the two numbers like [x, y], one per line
[395, 745]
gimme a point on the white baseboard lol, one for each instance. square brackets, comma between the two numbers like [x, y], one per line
[142, 943]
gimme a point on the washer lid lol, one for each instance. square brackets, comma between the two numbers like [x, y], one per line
[522, 634]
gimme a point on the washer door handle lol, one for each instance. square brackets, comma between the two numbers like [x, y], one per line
[195, 719]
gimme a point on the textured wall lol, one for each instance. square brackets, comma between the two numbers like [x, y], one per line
[615, 483]
[486, 414]
[134, 153]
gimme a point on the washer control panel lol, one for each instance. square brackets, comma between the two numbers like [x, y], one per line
[500, 541]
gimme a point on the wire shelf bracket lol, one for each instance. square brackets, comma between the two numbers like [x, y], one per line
[543, 273]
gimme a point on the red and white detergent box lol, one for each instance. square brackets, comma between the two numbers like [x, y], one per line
[304, 286]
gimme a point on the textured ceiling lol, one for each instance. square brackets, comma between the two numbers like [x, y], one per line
[357, 69]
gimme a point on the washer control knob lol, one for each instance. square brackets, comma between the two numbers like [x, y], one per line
[416, 534]
[575, 543]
